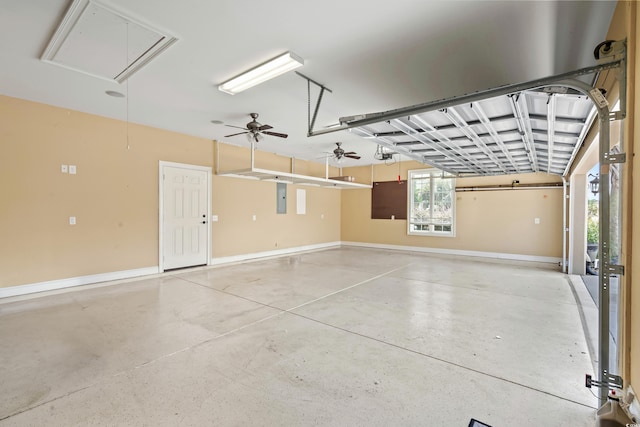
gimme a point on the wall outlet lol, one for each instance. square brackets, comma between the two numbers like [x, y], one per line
[72, 220]
[253, 217]
[64, 168]
[72, 169]
[536, 221]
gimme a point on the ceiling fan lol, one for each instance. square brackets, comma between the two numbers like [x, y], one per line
[255, 130]
[339, 153]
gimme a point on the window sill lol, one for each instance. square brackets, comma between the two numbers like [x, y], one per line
[431, 234]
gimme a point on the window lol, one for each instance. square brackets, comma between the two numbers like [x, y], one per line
[431, 203]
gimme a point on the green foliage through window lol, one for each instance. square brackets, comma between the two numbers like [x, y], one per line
[593, 233]
[431, 204]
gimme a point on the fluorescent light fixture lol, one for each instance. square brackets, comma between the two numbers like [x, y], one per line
[270, 69]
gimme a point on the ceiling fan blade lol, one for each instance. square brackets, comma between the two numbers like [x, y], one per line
[237, 127]
[279, 135]
[265, 127]
[351, 156]
[350, 152]
[234, 134]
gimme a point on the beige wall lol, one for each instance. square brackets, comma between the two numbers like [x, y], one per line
[236, 233]
[486, 221]
[115, 196]
[236, 200]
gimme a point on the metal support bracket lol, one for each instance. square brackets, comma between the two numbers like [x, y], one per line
[609, 381]
[598, 97]
[611, 157]
[312, 120]
[609, 48]
[616, 115]
[616, 269]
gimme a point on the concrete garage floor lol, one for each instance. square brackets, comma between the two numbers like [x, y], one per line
[340, 337]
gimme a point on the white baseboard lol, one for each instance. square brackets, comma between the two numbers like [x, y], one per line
[271, 254]
[498, 255]
[129, 274]
[53, 285]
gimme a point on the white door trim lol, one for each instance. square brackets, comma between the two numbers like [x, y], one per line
[162, 165]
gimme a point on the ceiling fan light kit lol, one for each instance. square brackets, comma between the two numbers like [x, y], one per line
[257, 137]
[270, 69]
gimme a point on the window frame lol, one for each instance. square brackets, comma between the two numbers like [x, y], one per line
[433, 173]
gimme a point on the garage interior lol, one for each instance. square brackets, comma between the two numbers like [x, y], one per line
[397, 236]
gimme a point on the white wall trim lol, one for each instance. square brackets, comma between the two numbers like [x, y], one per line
[53, 285]
[271, 254]
[578, 224]
[498, 255]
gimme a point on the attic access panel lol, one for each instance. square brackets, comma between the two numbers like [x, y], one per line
[98, 40]
[524, 132]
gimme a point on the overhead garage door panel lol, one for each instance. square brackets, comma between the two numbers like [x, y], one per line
[524, 132]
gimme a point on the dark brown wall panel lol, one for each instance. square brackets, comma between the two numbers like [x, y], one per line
[389, 198]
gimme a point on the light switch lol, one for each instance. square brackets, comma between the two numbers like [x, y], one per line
[72, 169]
[72, 220]
[64, 169]
[214, 218]
[254, 217]
[536, 221]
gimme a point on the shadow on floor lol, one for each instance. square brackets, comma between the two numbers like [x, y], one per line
[591, 283]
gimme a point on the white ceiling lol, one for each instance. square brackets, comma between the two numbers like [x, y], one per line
[374, 56]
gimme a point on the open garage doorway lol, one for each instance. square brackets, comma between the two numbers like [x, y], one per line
[595, 233]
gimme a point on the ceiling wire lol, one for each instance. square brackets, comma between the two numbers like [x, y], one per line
[127, 87]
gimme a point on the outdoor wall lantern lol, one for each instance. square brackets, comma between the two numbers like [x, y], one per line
[594, 184]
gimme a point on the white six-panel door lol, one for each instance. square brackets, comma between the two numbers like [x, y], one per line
[184, 216]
